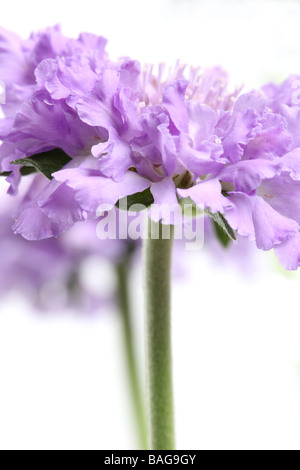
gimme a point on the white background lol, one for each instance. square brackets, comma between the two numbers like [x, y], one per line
[236, 337]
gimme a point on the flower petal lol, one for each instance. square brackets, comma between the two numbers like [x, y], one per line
[247, 175]
[207, 195]
[91, 188]
[288, 253]
[271, 228]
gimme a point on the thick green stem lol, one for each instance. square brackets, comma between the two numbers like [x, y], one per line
[130, 355]
[158, 255]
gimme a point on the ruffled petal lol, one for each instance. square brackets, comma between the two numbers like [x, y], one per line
[164, 193]
[207, 195]
[288, 253]
[33, 224]
[114, 156]
[239, 215]
[271, 228]
[242, 128]
[290, 163]
[91, 188]
[248, 175]
[174, 102]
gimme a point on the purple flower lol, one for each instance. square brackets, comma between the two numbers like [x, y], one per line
[31, 124]
[181, 133]
[19, 59]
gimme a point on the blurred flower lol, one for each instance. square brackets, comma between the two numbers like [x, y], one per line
[51, 273]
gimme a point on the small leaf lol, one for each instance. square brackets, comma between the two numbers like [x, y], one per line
[27, 170]
[144, 198]
[222, 223]
[24, 171]
[46, 163]
[222, 236]
[190, 208]
[223, 230]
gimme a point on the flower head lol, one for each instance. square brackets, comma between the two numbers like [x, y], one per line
[178, 133]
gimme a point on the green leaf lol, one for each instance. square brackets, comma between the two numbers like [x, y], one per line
[222, 223]
[190, 208]
[144, 198]
[222, 236]
[223, 230]
[24, 171]
[27, 170]
[46, 163]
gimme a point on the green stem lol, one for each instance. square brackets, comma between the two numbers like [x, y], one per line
[137, 398]
[158, 254]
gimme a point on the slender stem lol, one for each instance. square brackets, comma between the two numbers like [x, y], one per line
[130, 354]
[158, 255]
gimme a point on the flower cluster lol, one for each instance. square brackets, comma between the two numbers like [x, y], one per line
[177, 133]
